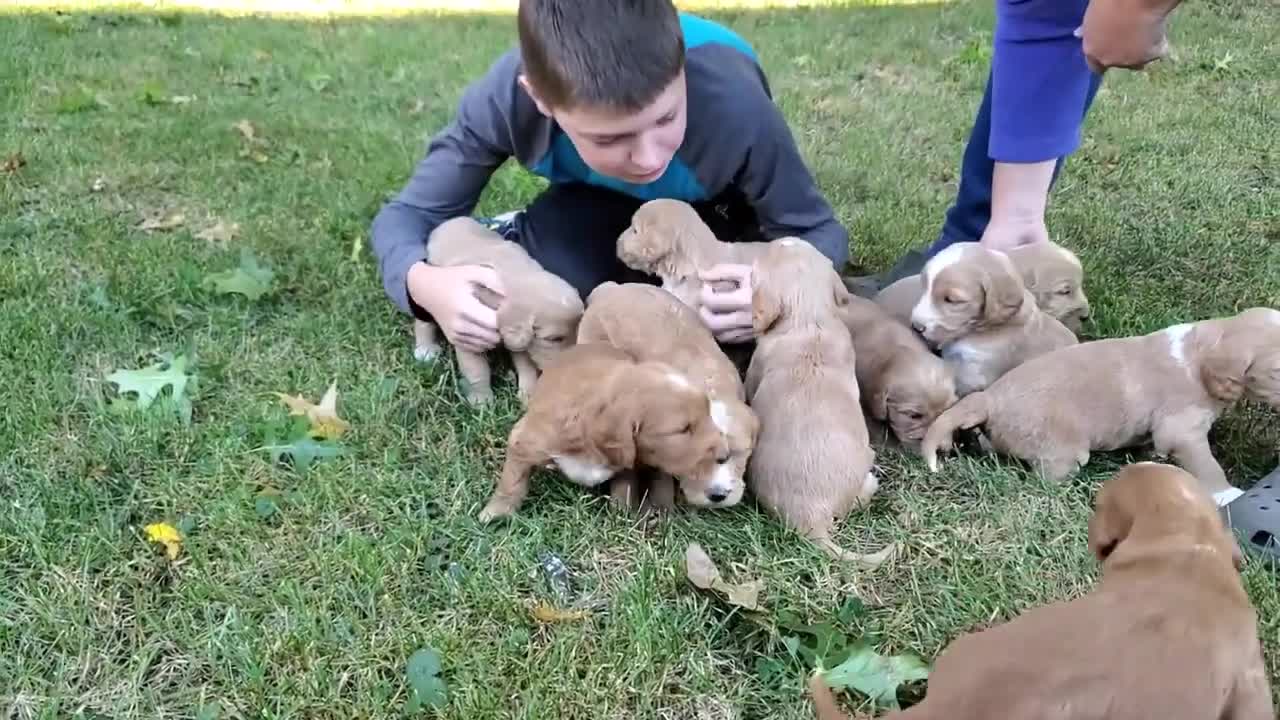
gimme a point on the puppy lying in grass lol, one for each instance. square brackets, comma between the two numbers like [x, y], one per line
[597, 411]
[1167, 387]
[667, 239]
[1167, 633]
[977, 311]
[1052, 273]
[650, 324]
[900, 381]
[813, 462]
[537, 320]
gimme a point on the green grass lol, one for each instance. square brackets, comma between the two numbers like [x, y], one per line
[1173, 202]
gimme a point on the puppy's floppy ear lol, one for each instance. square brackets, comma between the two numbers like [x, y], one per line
[878, 400]
[613, 426]
[1223, 372]
[1002, 294]
[515, 327]
[839, 292]
[1111, 522]
[766, 306]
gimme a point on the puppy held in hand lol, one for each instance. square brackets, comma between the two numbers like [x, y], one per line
[667, 239]
[1167, 388]
[1052, 273]
[813, 460]
[977, 311]
[650, 324]
[537, 320]
[900, 381]
[596, 411]
[1168, 632]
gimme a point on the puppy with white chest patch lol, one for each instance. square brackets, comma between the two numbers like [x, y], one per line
[651, 324]
[1167, 387]
[900, 381]
[537, 320]
[667, 239]
[1052, 273]
[976, 310]
[596, 411]
[813, 462]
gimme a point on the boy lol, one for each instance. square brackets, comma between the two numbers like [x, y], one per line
[615, 102]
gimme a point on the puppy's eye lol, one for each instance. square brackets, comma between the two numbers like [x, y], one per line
[952, 299]
[1064, 291]
[686, 429]
[557, 339]
[915, 415]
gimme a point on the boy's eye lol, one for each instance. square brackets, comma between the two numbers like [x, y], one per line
[667, 119]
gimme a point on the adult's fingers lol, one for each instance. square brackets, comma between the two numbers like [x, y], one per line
[721, 303]
[726, 271]
[736, 335]
[486, 276]
[722, 322]
[486, 336]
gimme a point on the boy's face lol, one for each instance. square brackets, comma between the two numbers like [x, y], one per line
[634, 148]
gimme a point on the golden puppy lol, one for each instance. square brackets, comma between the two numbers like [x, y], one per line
[667, 239]
[1168, 632]
[649, 323]
[977, 311]
[1167, 387]
[900, 381]
[813, 462]
[1052, 273]
[537, 320]
[596, 411]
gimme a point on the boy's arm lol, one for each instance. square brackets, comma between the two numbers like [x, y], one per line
[448, 181]
[781, 189]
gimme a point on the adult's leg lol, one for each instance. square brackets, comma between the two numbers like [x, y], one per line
[572, 231]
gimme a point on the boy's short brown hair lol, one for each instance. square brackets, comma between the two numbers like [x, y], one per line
[611, 54]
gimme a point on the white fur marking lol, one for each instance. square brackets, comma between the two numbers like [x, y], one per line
[926, 311]
[722, 482]
[678, 380]
[720, 416]
[1224, 497]
[787, 243]
[1178, 343]
[1274, 317]
[581, 471]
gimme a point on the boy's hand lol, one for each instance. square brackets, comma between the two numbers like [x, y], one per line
[727, 313]
[449, 294]
[1124, 33]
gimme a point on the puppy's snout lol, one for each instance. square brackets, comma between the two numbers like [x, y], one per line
[717, 496]
[918, 327]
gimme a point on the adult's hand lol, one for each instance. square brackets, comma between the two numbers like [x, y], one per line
[1125, 33]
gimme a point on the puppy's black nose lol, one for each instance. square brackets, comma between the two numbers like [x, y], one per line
[717, 497]
[722, 459]
[918, 327]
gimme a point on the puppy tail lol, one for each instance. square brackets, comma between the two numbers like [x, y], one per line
[824, 701]
[972, 410]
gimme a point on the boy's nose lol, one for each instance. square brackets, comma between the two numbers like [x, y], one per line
[646, 157]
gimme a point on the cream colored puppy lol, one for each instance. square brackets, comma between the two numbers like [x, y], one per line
[650, 324]
[668, 240]
[976, 310]
[813, 462]
[1167, 387]
[1052, 273]
[537, 320]
[900, 381]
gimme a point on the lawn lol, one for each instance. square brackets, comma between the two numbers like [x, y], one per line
[155, 148]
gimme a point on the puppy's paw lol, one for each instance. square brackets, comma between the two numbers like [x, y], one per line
[426, 353]
[479, 397]
[495, 510]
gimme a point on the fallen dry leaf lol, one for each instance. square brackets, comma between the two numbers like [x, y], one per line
[166, 535]
[99, 184]
[182, 99]
[703, 573]
[163, 222]
[324, 417]
[13, 164]
[247, 130]
[221, 233]
[544, 613]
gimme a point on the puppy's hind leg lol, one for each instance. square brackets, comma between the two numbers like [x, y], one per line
[475, 371]
[526, 375]
[1059, 467]
[426, 346]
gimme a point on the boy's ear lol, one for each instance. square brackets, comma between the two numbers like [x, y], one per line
[528, 88]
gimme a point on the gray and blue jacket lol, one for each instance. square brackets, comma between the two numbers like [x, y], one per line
[736, 139]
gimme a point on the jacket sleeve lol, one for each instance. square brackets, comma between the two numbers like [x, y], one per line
[449, 179]
[781, 189]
